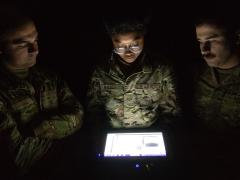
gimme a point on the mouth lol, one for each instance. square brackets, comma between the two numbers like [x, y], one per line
[129, 56]
[209, 56]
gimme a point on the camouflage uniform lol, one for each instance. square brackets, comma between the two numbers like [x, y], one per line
[218, 98]
[134, 101]
[34, 112]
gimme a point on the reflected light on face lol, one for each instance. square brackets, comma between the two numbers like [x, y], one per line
[21, 47]
[128, 46]
[215, 47]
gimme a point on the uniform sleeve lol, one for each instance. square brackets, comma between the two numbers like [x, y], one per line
[93, 95]
[169, 106]
[24, 150]
[96, 115]
[64, 121]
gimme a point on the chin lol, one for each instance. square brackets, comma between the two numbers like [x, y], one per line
[214, 65]
[129, 60]
[211, 62]
[31, 64]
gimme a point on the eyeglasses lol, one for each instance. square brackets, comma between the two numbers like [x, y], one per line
[133, 48]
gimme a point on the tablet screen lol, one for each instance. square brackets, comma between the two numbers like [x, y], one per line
[134, 144]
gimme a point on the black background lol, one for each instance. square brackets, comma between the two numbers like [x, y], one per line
[72, 37]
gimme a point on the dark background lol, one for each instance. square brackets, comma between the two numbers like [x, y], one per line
[72, 37]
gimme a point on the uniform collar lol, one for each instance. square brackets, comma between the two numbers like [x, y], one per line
[10, 79]
[231, 76]
[144, 63]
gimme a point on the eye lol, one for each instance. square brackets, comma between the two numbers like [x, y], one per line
[22, 45]
[120, 49]
[200, 43]
[135, 48]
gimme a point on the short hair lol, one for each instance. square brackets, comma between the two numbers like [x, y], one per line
[10, 21]
[126, 23]
[227, 24]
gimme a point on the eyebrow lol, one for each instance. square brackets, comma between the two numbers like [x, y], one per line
[211, 36]
[24, 38]
[136, 38]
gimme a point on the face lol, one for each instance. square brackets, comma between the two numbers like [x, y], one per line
[128, 46]
[20, 48]
[215, 47]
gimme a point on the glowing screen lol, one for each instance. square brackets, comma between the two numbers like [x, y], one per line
[134, 144]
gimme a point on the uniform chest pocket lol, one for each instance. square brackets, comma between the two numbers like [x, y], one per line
[148, 93]
[231, 102]
[230, 108]
[111, 90]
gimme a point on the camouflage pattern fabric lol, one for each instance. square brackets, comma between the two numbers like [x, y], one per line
[218, 98]
[135, 101]
[34, 112]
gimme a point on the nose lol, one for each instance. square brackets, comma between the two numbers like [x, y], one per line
[33, 47]
[128, 51]
[205, 47]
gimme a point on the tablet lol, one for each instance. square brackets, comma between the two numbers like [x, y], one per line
[134, 144]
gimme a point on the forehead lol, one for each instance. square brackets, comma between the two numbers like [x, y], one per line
[209, 30]
[25, 31]
[126, 37]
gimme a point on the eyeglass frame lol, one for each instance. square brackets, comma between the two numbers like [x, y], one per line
[128, 48]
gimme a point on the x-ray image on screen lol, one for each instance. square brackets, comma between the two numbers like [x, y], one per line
[134, 144]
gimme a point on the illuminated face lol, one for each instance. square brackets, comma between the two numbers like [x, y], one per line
[20, 47]
[215, 47]
[128, 46]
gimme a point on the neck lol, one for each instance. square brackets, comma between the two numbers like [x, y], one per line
[20, 73]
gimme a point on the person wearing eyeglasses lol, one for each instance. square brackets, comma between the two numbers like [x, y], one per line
[132, 88]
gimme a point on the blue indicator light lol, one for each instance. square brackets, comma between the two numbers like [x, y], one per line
[137, 165]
